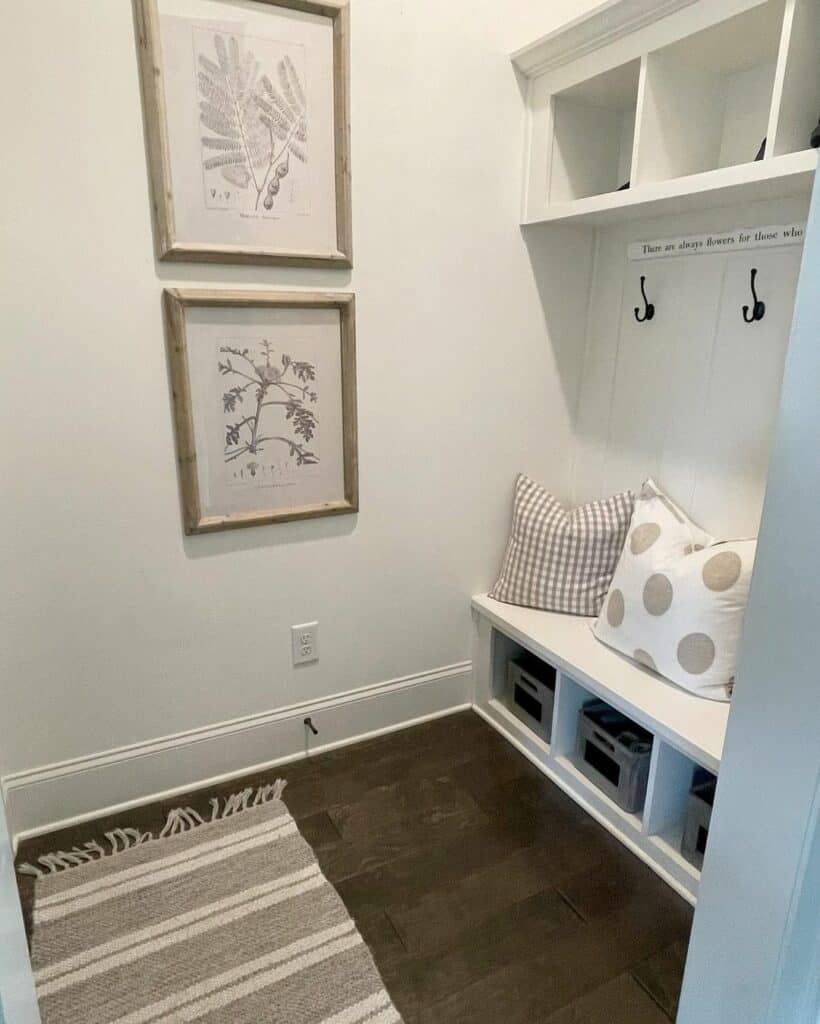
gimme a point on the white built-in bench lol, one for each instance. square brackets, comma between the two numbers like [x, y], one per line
[688, 731]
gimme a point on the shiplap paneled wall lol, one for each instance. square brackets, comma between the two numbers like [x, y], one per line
[690, 398]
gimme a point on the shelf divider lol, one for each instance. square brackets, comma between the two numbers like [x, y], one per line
[569, 699]
[667, 792]
[640, 128]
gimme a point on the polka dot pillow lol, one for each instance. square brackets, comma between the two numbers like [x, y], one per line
[677, 599]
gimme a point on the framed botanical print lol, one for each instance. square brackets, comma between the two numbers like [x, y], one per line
[264, 389]
[247, 123]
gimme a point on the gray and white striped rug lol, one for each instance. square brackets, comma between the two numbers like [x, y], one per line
[225, 921]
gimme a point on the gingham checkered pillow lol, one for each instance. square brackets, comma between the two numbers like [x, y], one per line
[562, 561]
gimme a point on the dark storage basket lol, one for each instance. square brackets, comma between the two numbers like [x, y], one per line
[531, 693]
[614, 753]
[698, 818]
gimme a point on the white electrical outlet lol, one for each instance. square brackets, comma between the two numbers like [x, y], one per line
[304, 641]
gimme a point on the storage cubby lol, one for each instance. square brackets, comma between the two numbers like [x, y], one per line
[708, 97]
[571, 698]
[526, 694]
[799, 107]
[681, 113]
[594, 134]
[680, 793]
[698, 817]
[613, 752]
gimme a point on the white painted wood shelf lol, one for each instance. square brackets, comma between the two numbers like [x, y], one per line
[781, 177]
[655, 107]
[688, 731]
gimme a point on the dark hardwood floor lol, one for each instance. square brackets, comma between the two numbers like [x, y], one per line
[485, 894]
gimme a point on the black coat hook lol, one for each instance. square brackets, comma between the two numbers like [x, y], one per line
[311, 726]
[649, 309]
[751, 314]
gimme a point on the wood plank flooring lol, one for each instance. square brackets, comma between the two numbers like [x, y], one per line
[485, 894]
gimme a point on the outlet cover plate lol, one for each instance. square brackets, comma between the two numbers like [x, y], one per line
[305, 643]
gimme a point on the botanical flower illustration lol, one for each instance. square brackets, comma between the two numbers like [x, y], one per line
[279, 393]
[256, 126]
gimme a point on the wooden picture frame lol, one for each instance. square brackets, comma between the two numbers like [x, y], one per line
[170, 245]
[178, 304]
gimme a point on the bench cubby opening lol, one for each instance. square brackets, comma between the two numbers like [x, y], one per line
[672, 778]
[527, 696]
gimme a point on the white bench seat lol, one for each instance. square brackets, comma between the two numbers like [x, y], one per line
[697, 727]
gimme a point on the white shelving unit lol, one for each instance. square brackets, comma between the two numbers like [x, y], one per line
[688, 731]
[675, 97]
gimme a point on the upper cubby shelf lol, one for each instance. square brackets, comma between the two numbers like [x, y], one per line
[664, 106]
[594, 134]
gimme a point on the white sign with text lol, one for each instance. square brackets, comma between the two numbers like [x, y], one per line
[723, 241]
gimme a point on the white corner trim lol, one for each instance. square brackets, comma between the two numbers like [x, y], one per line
[48, 797]
[610, 21]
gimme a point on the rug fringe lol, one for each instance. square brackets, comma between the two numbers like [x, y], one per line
[179, 820]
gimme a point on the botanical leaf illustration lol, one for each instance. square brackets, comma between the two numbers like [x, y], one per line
[291, 86]
[228, 109]
[253, 125]
[234, 396]
[239, 176]
[281, 393]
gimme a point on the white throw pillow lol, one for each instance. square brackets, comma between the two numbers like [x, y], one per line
[678, 597]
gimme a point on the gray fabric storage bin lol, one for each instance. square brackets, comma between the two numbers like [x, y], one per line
[698, 819]
[614, 753]
[530, 693]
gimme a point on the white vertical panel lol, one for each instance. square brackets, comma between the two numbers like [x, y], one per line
[19, 1004]
[733, 437]
[697, 287]
[538, 150]
[667, 793]
[569, 699]
[760, 835]
[597, 385]
[798, 994]
[626, 146]
[661, 372]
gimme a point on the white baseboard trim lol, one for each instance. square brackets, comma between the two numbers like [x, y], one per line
[67, 793]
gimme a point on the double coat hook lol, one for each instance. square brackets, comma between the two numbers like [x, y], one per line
[755, 313]
[649, 309]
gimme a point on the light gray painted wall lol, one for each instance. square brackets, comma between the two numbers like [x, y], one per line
[119, 629]
[757, 847]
